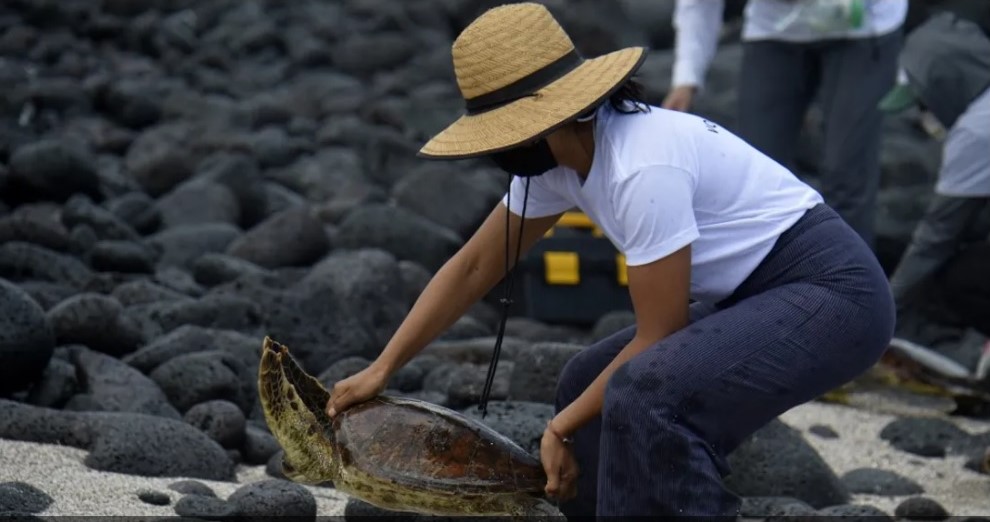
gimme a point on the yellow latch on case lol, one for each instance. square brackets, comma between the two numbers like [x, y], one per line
[562, 268]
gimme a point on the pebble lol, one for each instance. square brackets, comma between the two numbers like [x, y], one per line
[21, 497]
[880, 482]
[155, 498]
[270, 498]
[921, 508]
[825, 432]
[192, 487]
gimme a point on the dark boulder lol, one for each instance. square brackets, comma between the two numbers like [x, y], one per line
[56, 386]
[197, 202]
[222, 420]
[400, 232]
[111, 385]
[97, 321]
[21, 497]
[23, 261]
[194, 378]
[51, 170]
[522, 422]
[27, 339]
[776, 461]
[292, 237]
[880, 482]
[537, 370]
[128, 443]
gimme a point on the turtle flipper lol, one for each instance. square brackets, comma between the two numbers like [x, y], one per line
[536, 508]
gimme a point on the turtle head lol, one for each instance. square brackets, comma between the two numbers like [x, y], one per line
[294, 404]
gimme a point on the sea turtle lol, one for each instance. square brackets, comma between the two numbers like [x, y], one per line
[396, 453]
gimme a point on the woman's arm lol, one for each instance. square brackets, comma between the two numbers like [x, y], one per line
[655, 211]
[462, 281]
[660, 293]
[697, 25]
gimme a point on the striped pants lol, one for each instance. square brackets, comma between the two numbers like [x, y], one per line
[815, 314]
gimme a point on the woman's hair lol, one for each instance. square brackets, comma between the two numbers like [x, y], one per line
[630, 93]
[627, 99]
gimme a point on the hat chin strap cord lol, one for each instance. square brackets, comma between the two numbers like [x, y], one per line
[506, 300]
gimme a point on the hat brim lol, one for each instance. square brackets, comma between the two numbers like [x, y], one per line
[898, 99]
[531, 117]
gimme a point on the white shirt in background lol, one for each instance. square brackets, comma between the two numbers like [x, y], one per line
[699, 23]
[665, 179]
[965, 168]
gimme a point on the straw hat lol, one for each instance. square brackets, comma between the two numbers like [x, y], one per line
[521, 78]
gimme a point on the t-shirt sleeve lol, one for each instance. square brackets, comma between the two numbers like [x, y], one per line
[965, 169]
[697, 25]
[542, 201]
[654, 208]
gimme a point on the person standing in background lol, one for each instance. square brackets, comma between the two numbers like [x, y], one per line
[843, 51]
[946, 65]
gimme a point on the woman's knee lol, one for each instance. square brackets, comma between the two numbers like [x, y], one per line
[578, 372]
[635, 390]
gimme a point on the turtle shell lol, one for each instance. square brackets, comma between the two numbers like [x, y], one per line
[418, 444]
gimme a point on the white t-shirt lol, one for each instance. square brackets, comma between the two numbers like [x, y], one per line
[663, 179]
[965, 168]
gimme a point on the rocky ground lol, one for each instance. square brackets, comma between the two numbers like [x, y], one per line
[179, 178]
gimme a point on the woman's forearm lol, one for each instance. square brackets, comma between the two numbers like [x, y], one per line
[456, 286]
[461, 282]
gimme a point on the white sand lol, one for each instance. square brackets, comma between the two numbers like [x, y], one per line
[78, 491]
[960, 491]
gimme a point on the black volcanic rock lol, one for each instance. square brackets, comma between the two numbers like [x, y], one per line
[880, 482]
[920, 508]
[56, 385]
[292, 237]
[196, 202]
[21, 497]
[96, 321]
[430, 192]
[81, 210]
[194, 378]
[128, 443]
[776, 461]
[36, 228]
[23, 261]
[926, 437]
[400, 232]
[272, 498]
[27, 339]
[180, 246]
[222, 420]
[51, 170]
[111, 385]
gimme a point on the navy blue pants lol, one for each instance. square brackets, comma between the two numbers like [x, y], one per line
[815, 314]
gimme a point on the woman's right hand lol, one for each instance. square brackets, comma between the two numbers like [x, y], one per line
[357, 388]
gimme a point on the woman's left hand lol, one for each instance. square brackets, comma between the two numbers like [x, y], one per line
[560, 466]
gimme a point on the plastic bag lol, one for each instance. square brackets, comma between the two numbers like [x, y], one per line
[826, 15]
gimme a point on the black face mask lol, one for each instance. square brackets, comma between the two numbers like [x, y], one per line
[527, 160]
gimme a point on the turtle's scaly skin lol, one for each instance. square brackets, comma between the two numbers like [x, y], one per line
[396, 453]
